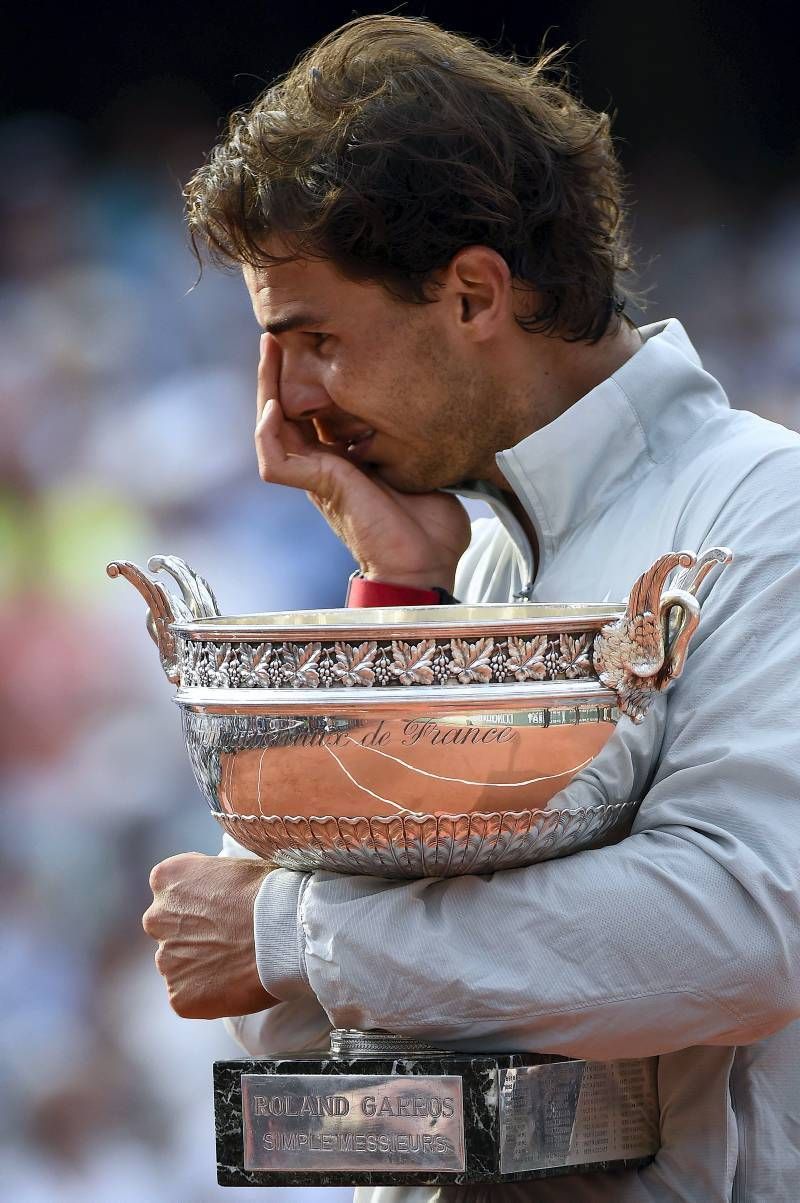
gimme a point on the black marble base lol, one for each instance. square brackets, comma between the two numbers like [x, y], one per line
[480, 1075]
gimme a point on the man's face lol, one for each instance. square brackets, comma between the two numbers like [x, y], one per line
[391, 382]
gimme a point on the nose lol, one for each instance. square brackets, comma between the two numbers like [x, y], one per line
[303, 395]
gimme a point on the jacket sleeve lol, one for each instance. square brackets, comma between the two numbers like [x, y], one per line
[687, 932]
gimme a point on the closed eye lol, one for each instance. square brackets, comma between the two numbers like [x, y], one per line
[319, 338]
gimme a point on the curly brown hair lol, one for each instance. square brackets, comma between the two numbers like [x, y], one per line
[392, 144]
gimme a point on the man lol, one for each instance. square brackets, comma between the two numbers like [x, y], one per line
[431, 239]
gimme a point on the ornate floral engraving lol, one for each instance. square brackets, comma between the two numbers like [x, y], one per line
[373, 664]
[526, 661]
[354, 663]
[412, 661]
[552, 659]
[383, 668]
[255, 665]
[228, 666]
[441, 664]
[575, 658]
[301, 664]
[499, 661]
[190, 655]
[327, 678]
[208, 665]
[471, 661]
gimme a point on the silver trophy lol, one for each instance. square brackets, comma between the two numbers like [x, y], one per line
[420, 742]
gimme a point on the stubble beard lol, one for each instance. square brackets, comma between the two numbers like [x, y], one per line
[457, 432]
[455, 445]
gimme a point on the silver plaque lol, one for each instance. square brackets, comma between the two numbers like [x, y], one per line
[353, 1122]
[576, 1113]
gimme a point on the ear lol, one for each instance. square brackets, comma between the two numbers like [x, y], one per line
[478, 285]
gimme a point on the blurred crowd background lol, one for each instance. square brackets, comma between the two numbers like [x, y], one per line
[126, 411]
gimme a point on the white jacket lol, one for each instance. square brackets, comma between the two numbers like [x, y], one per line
[682, 941]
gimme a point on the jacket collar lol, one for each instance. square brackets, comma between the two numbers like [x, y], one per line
[576, 466]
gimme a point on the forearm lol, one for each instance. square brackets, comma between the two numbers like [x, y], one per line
[635, 950]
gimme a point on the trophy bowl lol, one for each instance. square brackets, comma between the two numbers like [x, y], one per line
[417, 741]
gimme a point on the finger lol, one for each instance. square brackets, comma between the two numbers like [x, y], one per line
[159, 876]
[150, 922]
[285, 454]
[269, 370]
[182, 860]
[270, 450]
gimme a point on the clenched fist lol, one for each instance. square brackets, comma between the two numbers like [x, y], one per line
[202, 918]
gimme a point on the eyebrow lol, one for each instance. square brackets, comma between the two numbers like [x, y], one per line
[291, 321]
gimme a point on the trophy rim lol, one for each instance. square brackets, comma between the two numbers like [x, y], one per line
[483, 618]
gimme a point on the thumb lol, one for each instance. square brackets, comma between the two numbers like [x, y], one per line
[288, 456]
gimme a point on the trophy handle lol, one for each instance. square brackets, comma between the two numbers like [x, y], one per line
[163, 609]
[639, 654]
[692, 578]
[195, 589]
[678, 631]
